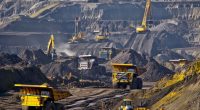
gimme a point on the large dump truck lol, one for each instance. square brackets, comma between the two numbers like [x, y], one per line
[126, 76]
[41, 97]
[86, 62]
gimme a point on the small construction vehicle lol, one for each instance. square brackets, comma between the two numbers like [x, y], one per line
[78, 37]
[41, 97]
[126, 76]
[103, 36]
[128, 105]
[87, 62]
[51, 51]
[106, 53]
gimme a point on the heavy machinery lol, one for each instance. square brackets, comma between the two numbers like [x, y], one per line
[87, 62]
[126, 76]
[143, 27]
[179, 62]
[103, 35]
[128, 105]
[51, 51]
[107, 53]
[41, 97]
[78, 36]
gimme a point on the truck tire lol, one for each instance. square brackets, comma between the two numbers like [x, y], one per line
[49, 106]
[59, 106]
[25, 108]
[139, 83]
[115, 85]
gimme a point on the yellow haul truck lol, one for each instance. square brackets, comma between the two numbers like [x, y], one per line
[41, 97]
[126, 76]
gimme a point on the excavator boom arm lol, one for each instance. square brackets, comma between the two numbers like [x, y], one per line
[50, 44]
[146, 13]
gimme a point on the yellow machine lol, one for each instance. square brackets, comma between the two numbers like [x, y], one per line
[101, 38]
[128, 105]
[143, 27]
[41, 97]
[77, 37]
[51, 48]
[126, 76]
[103, 35]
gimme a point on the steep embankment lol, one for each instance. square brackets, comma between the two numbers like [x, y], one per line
[176, 92]
[20, 74]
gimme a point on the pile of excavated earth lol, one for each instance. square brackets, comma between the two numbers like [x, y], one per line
[181, 87]
[174, 35]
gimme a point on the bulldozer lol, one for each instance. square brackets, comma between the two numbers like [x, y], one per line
[126, 76]
[51, 51]
[41, 97]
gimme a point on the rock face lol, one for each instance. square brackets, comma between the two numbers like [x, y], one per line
[163, 36]
[8, 59]
[56, 69]
[35, 56]
[155, 71]
[17, 74]
[129, 56]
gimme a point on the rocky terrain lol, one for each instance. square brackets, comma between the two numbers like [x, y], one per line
[26, 26]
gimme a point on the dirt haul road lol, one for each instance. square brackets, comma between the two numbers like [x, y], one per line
[83, 98]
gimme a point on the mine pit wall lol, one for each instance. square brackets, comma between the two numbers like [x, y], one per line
[63, 21]
[18, 43]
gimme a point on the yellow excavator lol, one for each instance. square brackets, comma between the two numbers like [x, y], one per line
[143, 27]
[51, 51]
[77, 37]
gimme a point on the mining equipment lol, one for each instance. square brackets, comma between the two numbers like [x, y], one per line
[107, 53]
[128, 105]
[143, 27]
[41, 97]
[103, 35]
[78, 36]
[86, 62]
[126, 76]
[179, 62]
[51, 51]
